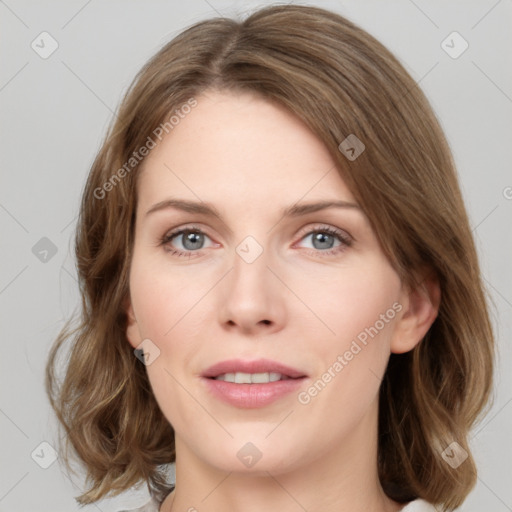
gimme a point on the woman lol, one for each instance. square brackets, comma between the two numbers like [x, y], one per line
[281, 292]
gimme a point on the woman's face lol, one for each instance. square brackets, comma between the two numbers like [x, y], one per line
[271, 280]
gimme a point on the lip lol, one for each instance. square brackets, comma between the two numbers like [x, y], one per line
[251, 396]
[256, 366]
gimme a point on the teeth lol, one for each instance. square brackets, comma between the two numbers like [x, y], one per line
[251, 378]
[242, 378]
[262, 378]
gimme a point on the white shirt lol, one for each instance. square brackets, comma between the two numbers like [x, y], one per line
[414, 506]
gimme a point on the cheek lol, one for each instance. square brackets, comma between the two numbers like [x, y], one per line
[164, 306]
[167, 304]
[163, 299]
[359, 308]
[351, 302]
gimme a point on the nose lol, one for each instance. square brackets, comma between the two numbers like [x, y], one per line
[252, 297]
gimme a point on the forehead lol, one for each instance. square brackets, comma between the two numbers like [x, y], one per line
[238, 148]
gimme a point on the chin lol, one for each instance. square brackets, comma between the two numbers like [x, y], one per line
[255, 457]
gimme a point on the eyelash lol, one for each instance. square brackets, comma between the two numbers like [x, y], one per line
[344, 239]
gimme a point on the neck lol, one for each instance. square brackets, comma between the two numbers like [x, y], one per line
[342, 479]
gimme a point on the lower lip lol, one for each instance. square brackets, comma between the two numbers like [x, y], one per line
[252, 396]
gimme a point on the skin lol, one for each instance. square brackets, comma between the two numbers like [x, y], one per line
[294, 304]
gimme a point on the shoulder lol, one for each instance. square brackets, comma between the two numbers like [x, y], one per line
[151, 506]
[419, 506]
[414, 506]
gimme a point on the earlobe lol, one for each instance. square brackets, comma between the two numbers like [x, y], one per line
[132, 328]
[421, 306]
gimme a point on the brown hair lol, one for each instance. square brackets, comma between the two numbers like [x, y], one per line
[339, 80]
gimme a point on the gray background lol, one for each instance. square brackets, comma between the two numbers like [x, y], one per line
[54, 113]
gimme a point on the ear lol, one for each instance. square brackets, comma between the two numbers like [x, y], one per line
[132, 328]
[420, 308]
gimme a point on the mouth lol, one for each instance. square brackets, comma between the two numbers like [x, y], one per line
[252, 378]
[259, 371]
[252, 384]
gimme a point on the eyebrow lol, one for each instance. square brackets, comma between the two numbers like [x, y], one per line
[203, 208]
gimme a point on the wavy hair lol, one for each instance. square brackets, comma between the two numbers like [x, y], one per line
[339, 80]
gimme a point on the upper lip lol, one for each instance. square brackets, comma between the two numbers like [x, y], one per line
[256, 366]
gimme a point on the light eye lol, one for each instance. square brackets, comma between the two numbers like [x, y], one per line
[192, 240]
[322, 240]
[327, 240]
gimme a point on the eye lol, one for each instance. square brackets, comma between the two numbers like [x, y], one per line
[191, 240]
[328, 240]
